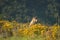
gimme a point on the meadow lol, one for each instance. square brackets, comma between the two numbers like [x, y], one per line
[22, 31]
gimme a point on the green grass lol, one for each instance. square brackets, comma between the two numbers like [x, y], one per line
[25, 38]
[21, 38]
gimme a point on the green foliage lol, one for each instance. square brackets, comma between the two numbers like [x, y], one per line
[20, 10]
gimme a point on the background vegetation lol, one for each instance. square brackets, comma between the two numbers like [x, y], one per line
[24, 10]
[15, 16]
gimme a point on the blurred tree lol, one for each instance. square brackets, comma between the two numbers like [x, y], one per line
[52, 12]
[23, 10]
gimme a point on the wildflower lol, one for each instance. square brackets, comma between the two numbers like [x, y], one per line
[42, 32]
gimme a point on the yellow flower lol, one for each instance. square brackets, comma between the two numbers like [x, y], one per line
[42, 32]
[25, 32]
